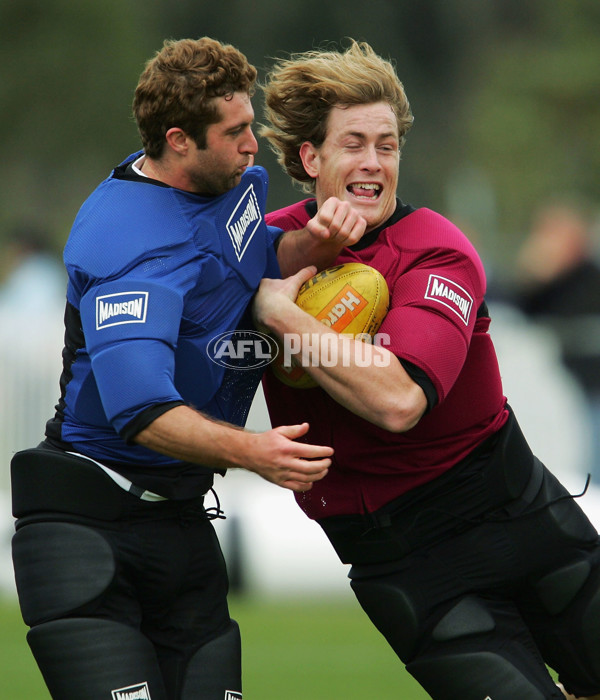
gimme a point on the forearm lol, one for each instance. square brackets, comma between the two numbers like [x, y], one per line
[275, 455]
[187, 435]
[366, 379]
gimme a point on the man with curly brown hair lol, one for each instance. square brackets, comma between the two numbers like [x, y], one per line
[119, 572]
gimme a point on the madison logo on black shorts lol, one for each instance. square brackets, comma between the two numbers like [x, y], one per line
[139, 691]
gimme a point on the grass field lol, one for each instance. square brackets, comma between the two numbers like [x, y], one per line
[292, 650]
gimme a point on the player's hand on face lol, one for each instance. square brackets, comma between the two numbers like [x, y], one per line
[338, 222]
[282, 460]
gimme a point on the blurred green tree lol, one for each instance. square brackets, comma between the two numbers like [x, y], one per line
[532, 111]
[68, 71]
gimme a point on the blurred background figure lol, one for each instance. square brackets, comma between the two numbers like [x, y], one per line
[32, 303]
[558, 274]
[31, 275]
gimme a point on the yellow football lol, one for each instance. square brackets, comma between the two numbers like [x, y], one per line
[352, 298]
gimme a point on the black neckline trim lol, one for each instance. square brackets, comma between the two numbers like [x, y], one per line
[125, 171]
[400, 212]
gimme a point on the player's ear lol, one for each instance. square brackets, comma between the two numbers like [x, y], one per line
[177, 140]
[310, 158]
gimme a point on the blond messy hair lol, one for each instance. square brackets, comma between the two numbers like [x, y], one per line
[301, 91]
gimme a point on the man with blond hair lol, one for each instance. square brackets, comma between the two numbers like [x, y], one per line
[468, 555]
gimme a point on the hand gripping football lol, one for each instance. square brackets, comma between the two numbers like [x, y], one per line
[352, 298]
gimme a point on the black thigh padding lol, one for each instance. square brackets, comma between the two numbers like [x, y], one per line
[58, 568]
[466, 618]
[86, 659]
[473, 676]
[391, 611]
[516, 458]
[591, 633]
[565, 513]
[215, 670]
[557, 590]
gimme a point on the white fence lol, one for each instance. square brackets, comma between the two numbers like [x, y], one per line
[30, 362]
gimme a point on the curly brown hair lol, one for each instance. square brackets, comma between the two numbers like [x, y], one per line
[177, 84]
[301, 91]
